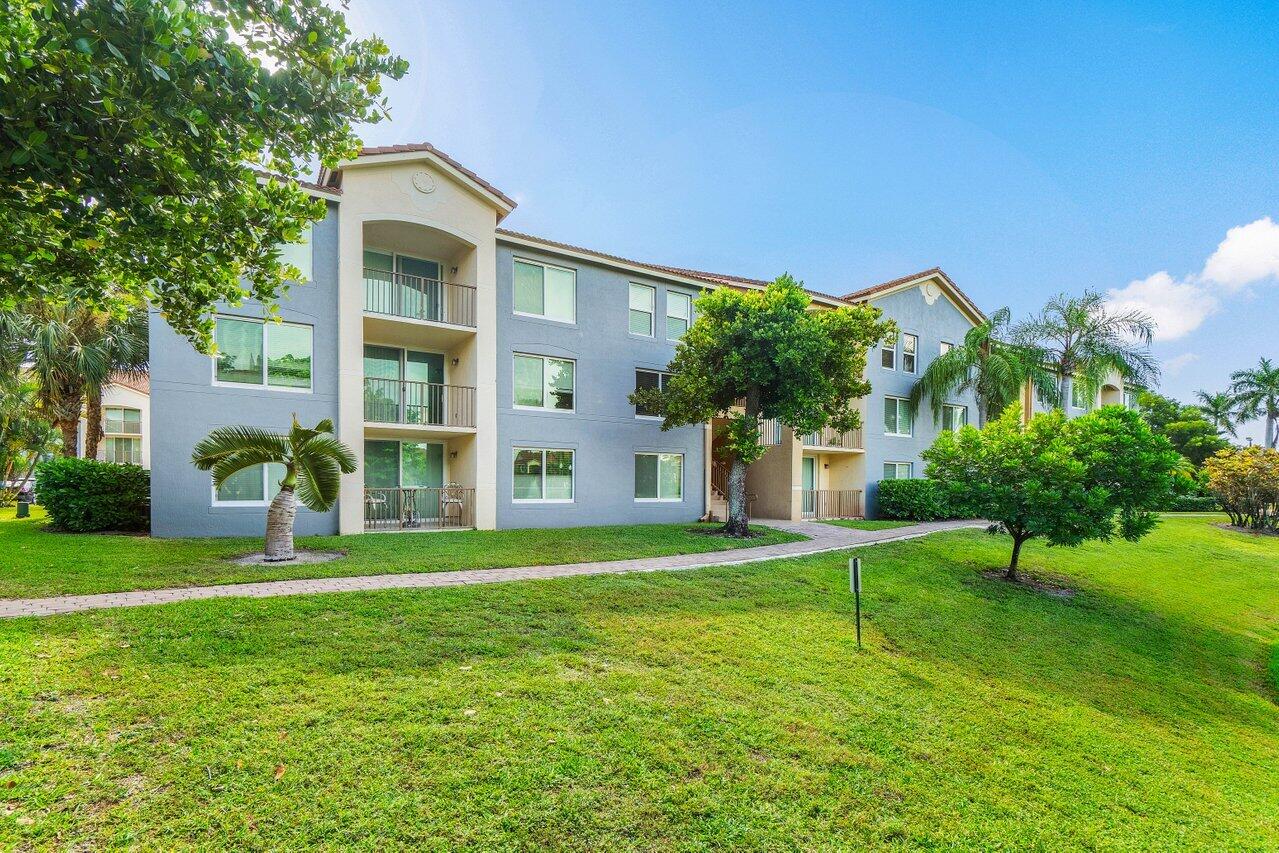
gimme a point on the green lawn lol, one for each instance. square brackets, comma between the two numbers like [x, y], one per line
[867, 523]
[722, 708]
[38, 562]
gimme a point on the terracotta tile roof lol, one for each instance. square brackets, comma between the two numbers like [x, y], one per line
[272, 176]
[431, 149]
[868, 292]
[140, 384]
[700, 275]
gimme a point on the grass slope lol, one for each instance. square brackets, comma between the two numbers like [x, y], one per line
[38, 562]
[721, 708]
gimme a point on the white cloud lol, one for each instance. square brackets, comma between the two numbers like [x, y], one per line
[1178, 306]
[1250, 253]
[1178, 363]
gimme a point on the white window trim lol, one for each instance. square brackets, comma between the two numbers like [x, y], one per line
[638, 416]
[544, 500]
[688, 321]
[915, 355]
[109, 434]
[652, 314]
[910, 434]
[523, 408]
[944, 347]
[213, 360]
[954, 406]
[661, 500]
[266, 488]
[544, 265]
[896, 359]
[910, 470]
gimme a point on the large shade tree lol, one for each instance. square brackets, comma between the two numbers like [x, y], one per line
[1257, 390]
[1083, 339]
[313, 461]
[767, 351]
[133, 137]
[990, 365]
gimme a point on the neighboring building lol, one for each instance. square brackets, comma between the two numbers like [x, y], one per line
[482, 375]
[126, 422]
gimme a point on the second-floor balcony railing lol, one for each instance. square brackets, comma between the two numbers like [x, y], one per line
[833, 438]
[419, 298]
[399, 401]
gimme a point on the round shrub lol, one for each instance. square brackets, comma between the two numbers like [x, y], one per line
[84, 495]
[913, 500]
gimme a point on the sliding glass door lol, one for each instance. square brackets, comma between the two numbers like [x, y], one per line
[403, 386]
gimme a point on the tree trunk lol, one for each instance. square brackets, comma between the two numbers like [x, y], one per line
[1011, 574]
[279, 526]
[738, 524]
[1270, 430]
[1067, 383]
[92, 421]
[70, 438]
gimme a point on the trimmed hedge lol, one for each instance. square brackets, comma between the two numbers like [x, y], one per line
[84, 495]
[1193, 503]
[913, 500]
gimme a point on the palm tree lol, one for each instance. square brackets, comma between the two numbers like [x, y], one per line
[1257, 393]
[72, 351]
[987, 364]
[1083, 339]
[1222, 409]
[313, 461]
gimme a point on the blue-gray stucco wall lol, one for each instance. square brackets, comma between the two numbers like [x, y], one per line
[185, 405]
[603, 430]
[935, 323]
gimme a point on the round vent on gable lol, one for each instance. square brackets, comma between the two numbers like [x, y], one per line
[423, 182]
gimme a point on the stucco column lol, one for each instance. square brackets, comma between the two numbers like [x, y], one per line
[351, 364]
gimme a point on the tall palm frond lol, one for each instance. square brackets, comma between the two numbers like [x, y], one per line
[1256, 391]
[1222, 409]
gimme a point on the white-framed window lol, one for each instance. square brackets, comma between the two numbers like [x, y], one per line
[643, 306]
[679, 313]
[888, 356]
[543, 290]
[1079, 396]
[256, 485]
[910, 353]
[266, 355]
[121, 420]
[946, 346]
[954, 417]
[897, 417]
[122, 428]
[542, 475]
[122, 449]
[659, 477]
[649, 379]
[299, 253]
[1130, 398]
[899, 470]
[542, 382]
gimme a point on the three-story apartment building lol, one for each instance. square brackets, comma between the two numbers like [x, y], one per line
[482, 376]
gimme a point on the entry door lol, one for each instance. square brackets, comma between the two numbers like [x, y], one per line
[424, 395]
[420, 287]
[810, 484]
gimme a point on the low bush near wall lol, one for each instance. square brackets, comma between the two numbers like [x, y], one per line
[84, 495]
[1193, 503]
[913, 500]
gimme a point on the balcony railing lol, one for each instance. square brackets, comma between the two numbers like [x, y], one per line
[419, 508]
[828, 437]
[400, 401]
[419, 298]
[832, 503]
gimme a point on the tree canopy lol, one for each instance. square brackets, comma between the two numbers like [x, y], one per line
[135, 135]
[1189, 430]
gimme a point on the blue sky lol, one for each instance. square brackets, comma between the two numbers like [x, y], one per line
[1026, 151]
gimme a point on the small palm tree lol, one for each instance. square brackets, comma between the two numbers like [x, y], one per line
[1222, 409]
[313, 461]
[1257, 392]
[1083, 340]
[987, 364]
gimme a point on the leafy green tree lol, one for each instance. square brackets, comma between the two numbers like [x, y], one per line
[1192, 434]
[1246, 481]
[313, 461]
[1067, 481]
[73, 350]
[1082, 340]
[1222, 409]
[25, 436]
[135, 134]
[988, 364]
[767, 350]
[1257, 390]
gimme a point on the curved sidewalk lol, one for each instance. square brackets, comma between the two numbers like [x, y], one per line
[821, 537]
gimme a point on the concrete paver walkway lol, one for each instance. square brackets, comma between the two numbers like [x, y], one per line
[821, 537]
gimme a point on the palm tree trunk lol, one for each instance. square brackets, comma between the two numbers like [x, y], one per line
[279, 526]
[1067, 383]
[92, 421]
[738, 524]
[1270, 430]
[70, 438]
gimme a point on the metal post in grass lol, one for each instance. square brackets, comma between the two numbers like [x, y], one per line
[855, 587]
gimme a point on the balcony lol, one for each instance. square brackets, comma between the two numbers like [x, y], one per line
[426, 300]
[831, 503]
[426, 406]
[832, 439]
[448, 507]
